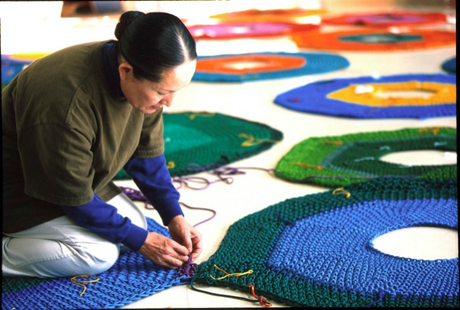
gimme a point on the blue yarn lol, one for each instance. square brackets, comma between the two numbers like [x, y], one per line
[131, 278]
[312, 98]
[316, 63]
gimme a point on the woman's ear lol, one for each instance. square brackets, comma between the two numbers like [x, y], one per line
[126, 71]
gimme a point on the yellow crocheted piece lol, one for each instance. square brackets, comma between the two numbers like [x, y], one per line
[370, 94]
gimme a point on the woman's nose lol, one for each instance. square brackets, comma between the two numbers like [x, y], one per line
[167, 100]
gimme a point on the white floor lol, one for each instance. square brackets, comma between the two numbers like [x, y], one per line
[257, 189]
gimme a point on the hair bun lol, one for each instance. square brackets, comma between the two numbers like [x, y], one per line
[125, 20]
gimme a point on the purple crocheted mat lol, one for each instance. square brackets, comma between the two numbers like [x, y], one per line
[131, 278]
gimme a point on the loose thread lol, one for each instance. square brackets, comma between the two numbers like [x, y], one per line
[236, 274]
[251, 141]
[341, 191]
[308, 166]
[137, 195]
[262, 300]
[223, 173]
[333, 142]
[434, 130]
[79, 282]
[381, 295]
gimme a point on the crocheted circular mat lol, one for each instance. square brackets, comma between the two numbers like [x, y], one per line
[275, 15]
[336, 161]
[210, 140]
[450, 65]
[264, 66]
[376, 39]
[364, 97]
[131, 278]
[247, 30]
[317, 250]
[387, 19]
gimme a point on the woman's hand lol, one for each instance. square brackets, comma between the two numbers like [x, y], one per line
[163, 251]
[186, 235]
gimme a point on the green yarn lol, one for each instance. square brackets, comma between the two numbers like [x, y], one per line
[336, 161]
[315, 251]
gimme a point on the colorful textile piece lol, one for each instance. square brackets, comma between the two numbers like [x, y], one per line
[450, 65]
[317, 250]
[247, 30]
[13, 64]
[275, 15]
[201, 141]
[131, 278]
[387, 19]
[384, 40]
[264, 66]
[365, 97]
[337, 161]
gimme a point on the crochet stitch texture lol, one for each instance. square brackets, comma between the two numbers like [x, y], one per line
[317, 250]
[131, 278]
[210, 140]
[363, 97]
[336, 161]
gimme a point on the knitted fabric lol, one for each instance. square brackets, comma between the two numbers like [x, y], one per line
[274, 15]
[131, 278]
[230, 30]
[210, 140]
[387, 19]
[383, 40]
[336, 161]
[450, 65]
[272, 66]
[361, 97]
[317, 250]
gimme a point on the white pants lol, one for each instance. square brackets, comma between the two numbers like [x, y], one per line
[60, 248]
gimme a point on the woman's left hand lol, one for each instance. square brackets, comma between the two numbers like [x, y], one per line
[187, 235]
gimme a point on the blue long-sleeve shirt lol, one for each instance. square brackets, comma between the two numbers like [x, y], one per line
[153, 179]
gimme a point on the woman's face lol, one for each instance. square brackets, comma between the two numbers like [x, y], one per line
[147, 96]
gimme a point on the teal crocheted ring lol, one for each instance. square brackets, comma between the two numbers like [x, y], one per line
[335, 161]
[318, 251]
[202, 141]
[131, 278]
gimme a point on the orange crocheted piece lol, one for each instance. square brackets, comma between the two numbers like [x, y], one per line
[333, 41]
[239, 64]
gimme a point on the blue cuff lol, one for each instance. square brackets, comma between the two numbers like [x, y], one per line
[153, 179]
[104, 220]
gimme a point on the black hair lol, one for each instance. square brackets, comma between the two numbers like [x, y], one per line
[153, 42]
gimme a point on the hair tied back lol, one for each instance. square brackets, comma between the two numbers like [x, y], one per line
[125, 20]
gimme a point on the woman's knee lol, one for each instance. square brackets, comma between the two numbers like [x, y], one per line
[100, 258]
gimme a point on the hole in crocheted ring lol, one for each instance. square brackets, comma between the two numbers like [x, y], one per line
[244, 65]
[418, 93]
[419, 242]
[421, 158]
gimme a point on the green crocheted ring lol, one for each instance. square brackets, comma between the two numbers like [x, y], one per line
[201, 141]
[336, 161]
[318, 250]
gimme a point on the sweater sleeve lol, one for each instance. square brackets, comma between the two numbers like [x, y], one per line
[103, 219]
[153, 179]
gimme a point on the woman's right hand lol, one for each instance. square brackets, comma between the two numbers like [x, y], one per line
[164, 251]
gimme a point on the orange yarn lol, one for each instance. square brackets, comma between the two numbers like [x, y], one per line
[229, 64]
[331, 40]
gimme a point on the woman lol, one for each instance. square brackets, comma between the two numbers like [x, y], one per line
[70, 122]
